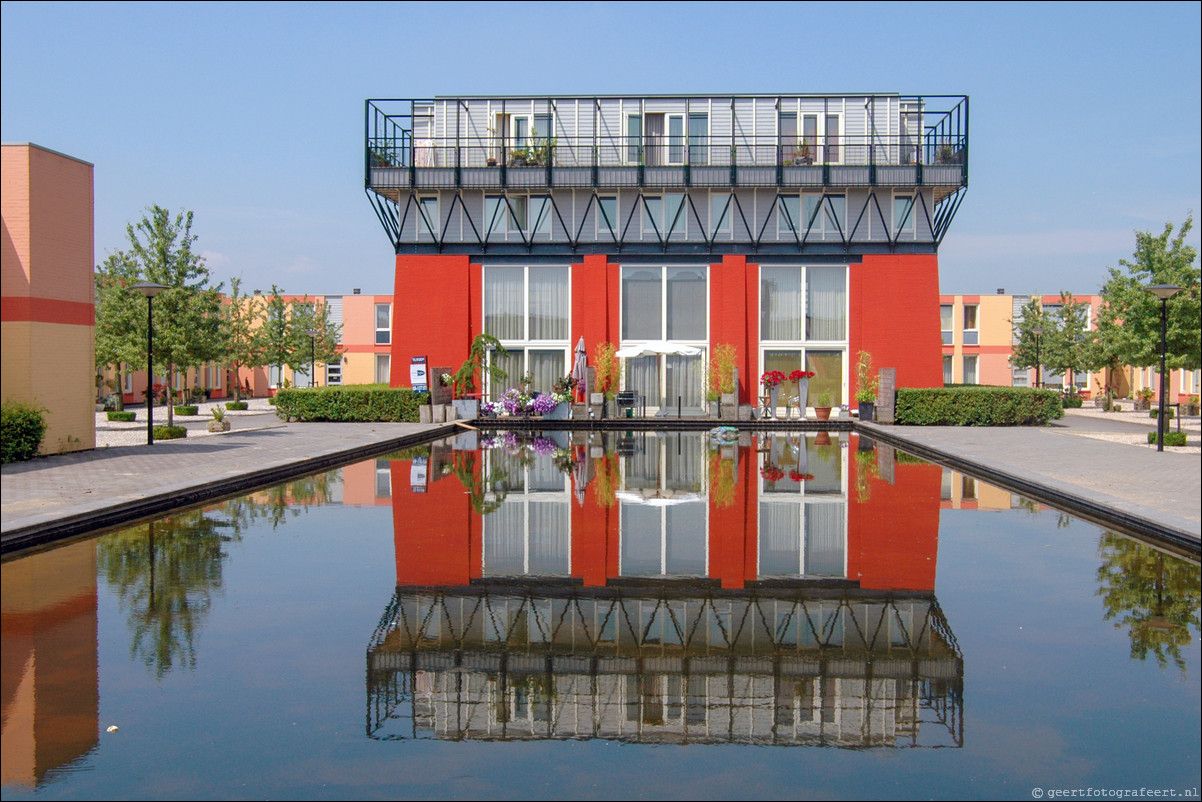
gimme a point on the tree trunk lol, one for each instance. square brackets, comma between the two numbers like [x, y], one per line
[120, 404]
[170, 396]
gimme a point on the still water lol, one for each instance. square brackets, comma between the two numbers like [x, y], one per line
[628, 616]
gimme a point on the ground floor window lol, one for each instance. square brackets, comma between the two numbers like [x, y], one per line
[543, 365]
[383, 368]
[826, 364]
[970, 370]
[333, 373]
[668, 381]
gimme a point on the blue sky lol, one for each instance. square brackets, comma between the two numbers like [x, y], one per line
[1085, 116]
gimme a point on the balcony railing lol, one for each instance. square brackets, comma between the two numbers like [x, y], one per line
[397, 159]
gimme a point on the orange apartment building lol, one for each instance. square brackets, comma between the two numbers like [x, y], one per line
[48, 311]
[365, 354]
[979, 336]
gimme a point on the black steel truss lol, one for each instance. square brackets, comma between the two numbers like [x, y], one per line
[394, 218]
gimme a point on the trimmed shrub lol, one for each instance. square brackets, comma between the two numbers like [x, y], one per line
[1072, 402]
[238, 406]
[271, 401]
[170, 432]
[22, 427]
[975, 405]
[187, 409]
[1168, 413]
[1170, 438]
[350, 404]
[124, 417]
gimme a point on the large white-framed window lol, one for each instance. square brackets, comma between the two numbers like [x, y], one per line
[1190, 381]
[803, 325]
[722, 212]
[517, 214]
[383, 324]
[664, 216]
[945, 324]
[972, 333]
[664, 529]
[383, 368]
[529, 532]
[802, 510]
[969, 376]
[606, 213]
[666, 303]
[429, 223]
[903, 215]
[528, 309]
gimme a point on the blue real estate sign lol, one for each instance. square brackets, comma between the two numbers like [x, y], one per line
[419, 377]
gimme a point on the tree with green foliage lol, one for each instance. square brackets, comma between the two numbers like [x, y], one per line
[1066, 347]
[1129, 323]
[242, 341]
[187, 315]
[1026, 354]
[285, 333]
[120, 314]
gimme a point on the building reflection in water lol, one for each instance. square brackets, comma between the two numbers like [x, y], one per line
[667, 589]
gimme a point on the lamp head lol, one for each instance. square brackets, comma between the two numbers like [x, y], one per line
[149, 288]
[1163, 291]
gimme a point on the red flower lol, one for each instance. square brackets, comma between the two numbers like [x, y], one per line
[771, 473]
[798, 375]
[800, 477]
[772, 378]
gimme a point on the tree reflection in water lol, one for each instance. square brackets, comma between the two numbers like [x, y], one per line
[1154, 595]
[166, 572]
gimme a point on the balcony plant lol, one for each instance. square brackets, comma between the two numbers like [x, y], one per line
[823, 407]
[802, 379]
[867, 384]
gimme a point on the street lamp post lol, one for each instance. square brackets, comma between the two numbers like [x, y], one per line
[312, 356]
[1164, 292]
[1038, 332]
[149, 289]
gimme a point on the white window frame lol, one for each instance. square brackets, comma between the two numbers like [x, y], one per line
[334, 373]
[600, 218]
[825, 144]
[907, 226]
[975, 331]
[386, 360]
[425, 226]
[376, 323]
[525, 344]
[804, 345]
[975, 361]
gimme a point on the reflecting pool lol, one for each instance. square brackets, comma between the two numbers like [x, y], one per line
[533, 615]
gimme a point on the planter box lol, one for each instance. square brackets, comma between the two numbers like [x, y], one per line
[596, 399]
[438, 413]
[466, 408]
[425, 414]
[562, 411]
[219, 426]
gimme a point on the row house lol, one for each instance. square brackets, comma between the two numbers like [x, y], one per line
[798, 228]
[979, 335]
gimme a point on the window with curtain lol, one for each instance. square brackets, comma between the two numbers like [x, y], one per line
[663, 541]
[826, 303]
[642, 302]
[504, 305]
[699, 138]
[780, 303]
[947, 369]
[802, 539]
[527, 309]
[686, 303]
[970, 370]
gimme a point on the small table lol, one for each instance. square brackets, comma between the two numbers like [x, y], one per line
[766, 409]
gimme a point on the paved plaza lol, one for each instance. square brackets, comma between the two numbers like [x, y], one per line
[1096, 464]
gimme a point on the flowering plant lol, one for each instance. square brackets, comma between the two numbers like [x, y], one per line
[772, 378]
[797, 476]
[445, 379]
[798, 375]
[771, 473]
[542, 404]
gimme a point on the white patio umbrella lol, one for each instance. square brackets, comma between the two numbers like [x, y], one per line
[580, 369]
[655, 348]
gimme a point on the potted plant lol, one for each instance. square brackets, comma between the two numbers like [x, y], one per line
[1192, 407]
[712, 399]
[772, 380]
[1143, 398]
[802, 379]
[804, 156]
[823, 408]
[867, 384]
[219, 423]
[606, 360]
[463, 381]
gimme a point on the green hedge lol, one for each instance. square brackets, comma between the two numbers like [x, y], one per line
[236, 405]
[975, 405]
[125, 417]
[1072, 402]
[351, 403]
[22, 427]
[187, 409]
[1168, 413]
[170, 432]
[1170, 438]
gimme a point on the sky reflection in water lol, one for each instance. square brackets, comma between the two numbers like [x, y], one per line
[628, 614]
